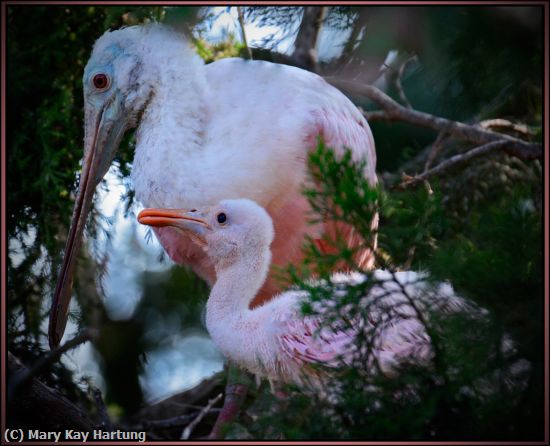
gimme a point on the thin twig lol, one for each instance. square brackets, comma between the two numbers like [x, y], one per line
[189, 428]
[504, 123]
[474, 134]
[27, 374]
[434, 338]
[436, 148]
[453, 161]
[375, 115]
[243, 33]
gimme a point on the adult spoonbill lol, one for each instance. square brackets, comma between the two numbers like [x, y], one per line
[229, 129]
[275, 340]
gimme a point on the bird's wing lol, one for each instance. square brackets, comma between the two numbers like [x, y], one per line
[399, 306]
[396, 334]
[397, 339]
[401, 341]
[303, 341]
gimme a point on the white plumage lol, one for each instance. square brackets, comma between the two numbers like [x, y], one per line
[229, 129]
[275, 340]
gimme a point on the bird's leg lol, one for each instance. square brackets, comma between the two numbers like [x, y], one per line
[238, 383]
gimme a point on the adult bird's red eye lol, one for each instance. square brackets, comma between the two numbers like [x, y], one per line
[100, 81]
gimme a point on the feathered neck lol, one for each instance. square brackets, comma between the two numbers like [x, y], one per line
[234, 328]
[236, 286]
[177, 85]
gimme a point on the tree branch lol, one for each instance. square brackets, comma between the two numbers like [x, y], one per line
[308, 34]
[182, 403]
[243, 33]
[453, 161]
[353, 40]
[39, 406]
[435, 149]
[392, 111]
[26, 374]
[189, 429]
[504, 123]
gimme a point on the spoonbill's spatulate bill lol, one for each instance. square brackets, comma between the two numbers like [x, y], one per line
[229, 129]
[275, 340]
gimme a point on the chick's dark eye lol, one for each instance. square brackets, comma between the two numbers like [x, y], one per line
[100, 81]
[221, 217]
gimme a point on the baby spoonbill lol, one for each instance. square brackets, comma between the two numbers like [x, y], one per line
[275, 340]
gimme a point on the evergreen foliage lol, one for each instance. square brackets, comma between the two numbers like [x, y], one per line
[485, 381]
[479, 227]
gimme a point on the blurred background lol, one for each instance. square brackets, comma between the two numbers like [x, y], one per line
[462, 63]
